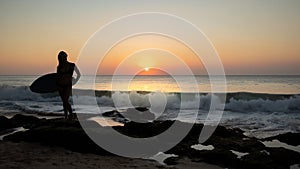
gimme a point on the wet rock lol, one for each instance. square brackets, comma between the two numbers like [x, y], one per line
[171, 161]
[19, 120]
[25, 121]
[144, 130]
[5, 123]
[113, 113]
[221, 157]
[116, 116]
[70, 135]
[223, 140]
[278, 158]
[138, 114]
[288, 138]
[233, 139]
[59, 132]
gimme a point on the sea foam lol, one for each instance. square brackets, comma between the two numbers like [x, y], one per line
[235, 102]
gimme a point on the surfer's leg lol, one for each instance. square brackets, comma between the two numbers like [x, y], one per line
[69, 108]
[65, 110]
[64, 99]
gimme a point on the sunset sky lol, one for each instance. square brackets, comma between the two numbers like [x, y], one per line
[251, 37]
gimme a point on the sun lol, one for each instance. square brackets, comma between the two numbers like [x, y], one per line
[151, 71]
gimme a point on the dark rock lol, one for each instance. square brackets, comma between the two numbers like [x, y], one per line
[142, 109]
[221, 157]
[233, 139]
[25, 121]
[144, 130]
[284, 157]
[50, 114]
[288, 138]
[279, 158]
[223, 140]
[70, 135]
[113, 113]
[5, 123]
[138, 114]
[171, 161]
[19, 120]
[116, 116]
[60, 132]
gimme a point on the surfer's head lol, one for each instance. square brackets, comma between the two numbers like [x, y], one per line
[62, 57]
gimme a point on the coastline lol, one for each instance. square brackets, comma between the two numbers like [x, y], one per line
[37, 156]
[48, 139]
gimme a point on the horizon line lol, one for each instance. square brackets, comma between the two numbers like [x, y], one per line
[160, 75]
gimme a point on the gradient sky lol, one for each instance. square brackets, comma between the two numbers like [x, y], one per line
[251, 37]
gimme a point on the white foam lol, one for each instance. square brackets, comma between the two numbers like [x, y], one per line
[277, 143]
[239, 154]
[171, 101]
[265, 151]
[262, 124]
[202, 147]
[18, 129]
[291, 104]
[168, 100]
[296, 166]
[161, 157]
[257, 117]
[132, 99]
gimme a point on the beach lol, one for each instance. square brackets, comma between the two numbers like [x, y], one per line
[255, 130]
[36, 156]
[57, 143]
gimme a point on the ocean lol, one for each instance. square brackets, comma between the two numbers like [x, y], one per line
[260, 105]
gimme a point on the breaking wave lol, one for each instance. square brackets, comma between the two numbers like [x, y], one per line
[235, 102]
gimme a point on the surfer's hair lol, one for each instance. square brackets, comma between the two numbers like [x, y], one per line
[61, 56]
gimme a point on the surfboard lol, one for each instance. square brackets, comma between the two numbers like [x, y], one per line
[45, 84]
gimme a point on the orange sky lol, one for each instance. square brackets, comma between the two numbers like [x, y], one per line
[154, 51]
[251, 37]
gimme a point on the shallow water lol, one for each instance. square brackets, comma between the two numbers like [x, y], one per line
[247, 105]
[276, 84]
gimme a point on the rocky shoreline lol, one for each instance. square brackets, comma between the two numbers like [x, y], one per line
[226, 148]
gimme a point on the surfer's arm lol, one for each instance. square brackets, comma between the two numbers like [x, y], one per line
[77, 74]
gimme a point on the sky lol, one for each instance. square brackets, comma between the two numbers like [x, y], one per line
[251, 37]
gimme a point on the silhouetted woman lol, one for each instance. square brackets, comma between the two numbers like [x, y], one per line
[65, 80]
